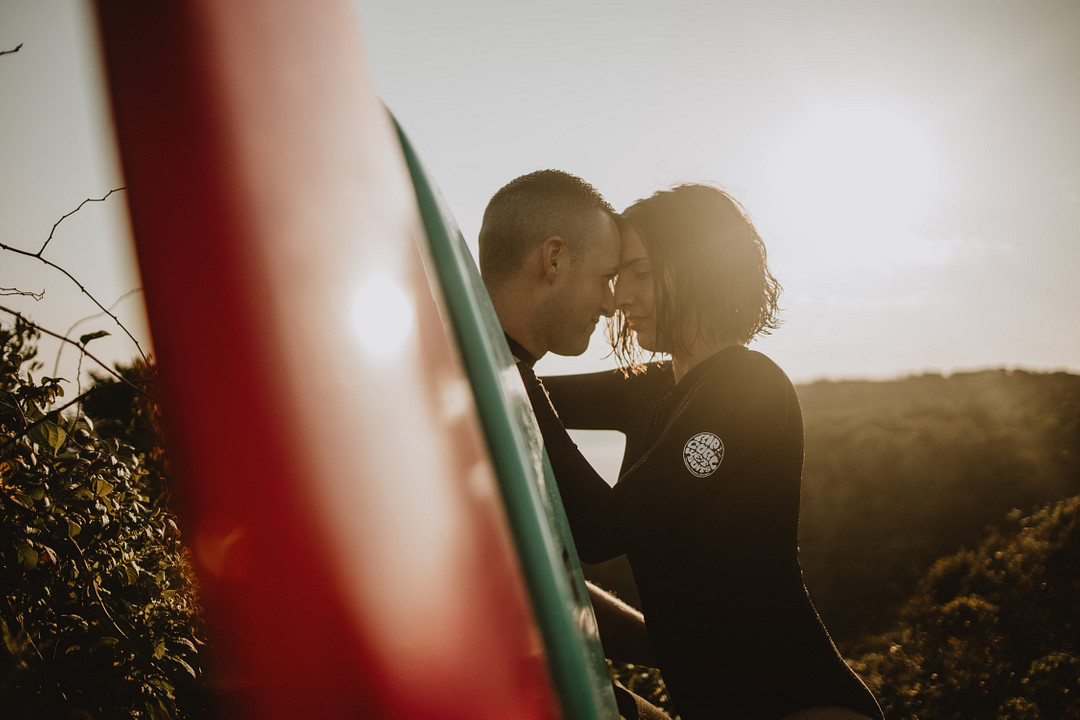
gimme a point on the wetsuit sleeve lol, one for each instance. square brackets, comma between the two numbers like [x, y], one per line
[609, 400]
[587, 498]
[592, 401]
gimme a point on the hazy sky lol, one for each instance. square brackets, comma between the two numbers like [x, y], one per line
[914, 167]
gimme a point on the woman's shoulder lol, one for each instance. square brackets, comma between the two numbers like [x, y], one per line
[741, 361]
[742, 372]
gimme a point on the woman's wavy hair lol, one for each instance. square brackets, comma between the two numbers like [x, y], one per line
[710, 271]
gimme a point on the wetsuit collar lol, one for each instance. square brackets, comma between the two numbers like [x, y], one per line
[676, 392]
[519, 351]
[690, 378]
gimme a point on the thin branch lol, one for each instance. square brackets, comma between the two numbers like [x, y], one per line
[9, 52]
[37, 255]
[22, 293]
[94, 586]
[52, 232]
[29, 427]
[82, 349]
[77, 323]
[78, 387]
[30, 639]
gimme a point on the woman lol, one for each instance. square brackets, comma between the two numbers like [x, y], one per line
[706, 506]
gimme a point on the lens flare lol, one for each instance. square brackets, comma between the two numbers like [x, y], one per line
[383, 316]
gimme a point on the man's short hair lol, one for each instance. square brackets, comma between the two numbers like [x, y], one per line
[530, 209]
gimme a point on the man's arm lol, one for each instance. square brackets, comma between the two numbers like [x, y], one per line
[586, 497]
[622, 629]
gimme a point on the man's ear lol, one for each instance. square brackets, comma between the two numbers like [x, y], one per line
[555, 256]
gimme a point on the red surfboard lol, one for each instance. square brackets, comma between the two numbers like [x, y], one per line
[353, 549]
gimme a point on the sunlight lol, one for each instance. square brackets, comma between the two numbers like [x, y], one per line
[383, 316]
[860, 165]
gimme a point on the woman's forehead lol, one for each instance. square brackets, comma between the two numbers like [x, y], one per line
[633, 250]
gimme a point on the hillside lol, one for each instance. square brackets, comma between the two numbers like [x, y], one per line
[903, 472]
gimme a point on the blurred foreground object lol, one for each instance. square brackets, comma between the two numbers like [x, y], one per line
[348, 529]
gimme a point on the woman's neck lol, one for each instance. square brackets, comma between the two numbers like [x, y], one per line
[684, 362]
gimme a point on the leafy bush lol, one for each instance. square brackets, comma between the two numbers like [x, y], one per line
[645, 682]
[991, 632]
[99, 616]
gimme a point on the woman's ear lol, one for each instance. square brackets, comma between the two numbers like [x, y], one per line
[555, 256]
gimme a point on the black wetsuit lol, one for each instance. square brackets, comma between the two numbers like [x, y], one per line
[706, 510]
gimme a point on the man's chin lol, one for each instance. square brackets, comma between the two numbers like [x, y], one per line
[572, 350]
[570, 353]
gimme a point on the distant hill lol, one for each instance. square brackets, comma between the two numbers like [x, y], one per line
[900, 473]
[990, 632]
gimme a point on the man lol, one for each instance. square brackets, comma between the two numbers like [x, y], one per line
[549, 253]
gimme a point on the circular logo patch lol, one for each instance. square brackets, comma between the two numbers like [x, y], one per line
[703, 453]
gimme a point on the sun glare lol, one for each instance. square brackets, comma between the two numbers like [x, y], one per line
[383, 316]
[861, 163]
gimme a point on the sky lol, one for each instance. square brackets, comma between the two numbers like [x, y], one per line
[914, 167]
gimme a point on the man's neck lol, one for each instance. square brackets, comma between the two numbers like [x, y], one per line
[517, 332]
[514, 312]
[521, 353]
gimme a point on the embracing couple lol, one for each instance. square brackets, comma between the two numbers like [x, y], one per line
[706, 507]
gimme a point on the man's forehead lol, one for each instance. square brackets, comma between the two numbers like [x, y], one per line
[608, 240]
[603, 245]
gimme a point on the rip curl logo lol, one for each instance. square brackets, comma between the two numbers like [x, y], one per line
[703, 453]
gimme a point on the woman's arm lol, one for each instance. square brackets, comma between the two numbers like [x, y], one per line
[592, 401]
[606, 400]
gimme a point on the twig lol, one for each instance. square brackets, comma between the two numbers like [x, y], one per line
[23, 293]
[82, 349]
[37, 255]
[94, 586]
[9, 52]
[29, 427]
[78, 386]
[65, 216]
[30, 639]
[77, 323]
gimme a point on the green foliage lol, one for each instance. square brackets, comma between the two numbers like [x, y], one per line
[900, 473]
[990, 632]
[99, 616]
[645, 682]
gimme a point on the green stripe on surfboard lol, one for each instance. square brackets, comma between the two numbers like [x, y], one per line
[557, 587]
